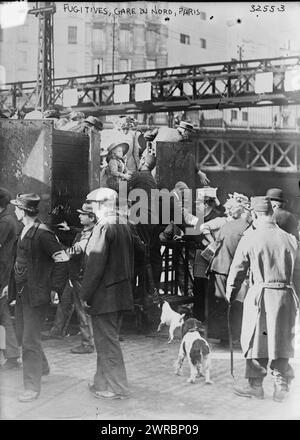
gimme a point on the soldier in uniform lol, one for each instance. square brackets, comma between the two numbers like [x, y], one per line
[39, 273]
[8, 236]
[268, 326]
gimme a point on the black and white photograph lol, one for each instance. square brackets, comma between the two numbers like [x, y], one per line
[149, 213]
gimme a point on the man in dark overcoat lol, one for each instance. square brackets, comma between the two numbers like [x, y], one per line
[8, 236]
[38, 274]
[107, 290]
[268, 327]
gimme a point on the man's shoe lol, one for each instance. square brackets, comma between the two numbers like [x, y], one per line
[106, 395]
[281, 387]
[255, 391]
[280, 394]
[11, 364]
[28, 396]
[81, 349]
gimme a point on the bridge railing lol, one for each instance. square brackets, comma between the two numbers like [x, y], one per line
[211, 85]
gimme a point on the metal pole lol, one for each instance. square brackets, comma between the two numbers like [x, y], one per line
[113, 49]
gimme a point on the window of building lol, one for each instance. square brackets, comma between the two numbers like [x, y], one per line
[152, 36]
[97, 62]
[203, 15]
[126, 41]
[98, 39]
[125, 65]
[234, 115]
[72, 34]
[245, 116]
[1, 34]
[203, 43]
[150, 64]
[185, 39]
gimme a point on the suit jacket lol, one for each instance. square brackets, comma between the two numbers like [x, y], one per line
[286, 221]
[228, 238]
[8, 236]
[44, 274]
[108, 276]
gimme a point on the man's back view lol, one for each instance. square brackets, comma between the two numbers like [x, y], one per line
[271, 256]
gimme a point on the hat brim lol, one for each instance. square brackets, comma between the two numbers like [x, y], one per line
[186, 128]
[93, 125]
[84, 212]
[19, 205]
[277, 199]
[124, 146]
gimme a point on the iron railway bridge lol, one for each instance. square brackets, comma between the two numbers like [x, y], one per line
[205, 86]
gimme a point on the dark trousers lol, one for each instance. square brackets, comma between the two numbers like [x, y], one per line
[70, 301]
[257, 368]
[85, 322]
[150, 235]
[111, 373]
[200, 298]
[29, 323]
[12, 350]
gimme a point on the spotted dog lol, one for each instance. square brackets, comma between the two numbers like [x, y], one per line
[170, 318]
[196, 349]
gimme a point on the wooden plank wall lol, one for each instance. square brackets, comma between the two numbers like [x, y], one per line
[26, 159]
[70, 183]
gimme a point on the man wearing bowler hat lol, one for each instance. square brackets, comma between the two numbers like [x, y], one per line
[38, 274]
[8, 236]
[271, 256]
[107, 289]
[283, 218]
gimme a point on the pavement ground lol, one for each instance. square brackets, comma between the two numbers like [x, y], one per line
[157, 393]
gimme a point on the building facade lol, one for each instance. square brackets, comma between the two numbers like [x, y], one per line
[91, 37]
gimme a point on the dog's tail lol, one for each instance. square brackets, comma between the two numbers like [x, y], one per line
[199, 348]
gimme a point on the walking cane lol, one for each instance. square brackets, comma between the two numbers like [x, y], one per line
[230, 340]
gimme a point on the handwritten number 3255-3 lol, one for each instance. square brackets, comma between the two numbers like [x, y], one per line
[266, 8]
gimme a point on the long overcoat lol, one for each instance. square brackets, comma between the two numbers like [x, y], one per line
[271, 256]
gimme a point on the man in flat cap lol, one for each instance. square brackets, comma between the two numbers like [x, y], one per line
[8, 236]
[107, 290]
[71, 299]
[271, 256]
[283, 218]
[38, 274]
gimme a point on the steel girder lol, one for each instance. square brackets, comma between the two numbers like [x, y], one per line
[206, 86]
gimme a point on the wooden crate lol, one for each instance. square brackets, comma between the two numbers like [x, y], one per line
[34, 157]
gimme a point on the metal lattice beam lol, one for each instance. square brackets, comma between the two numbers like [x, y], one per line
[240, 150]
[210, 86]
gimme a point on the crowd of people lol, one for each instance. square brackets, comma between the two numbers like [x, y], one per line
[245, 256]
